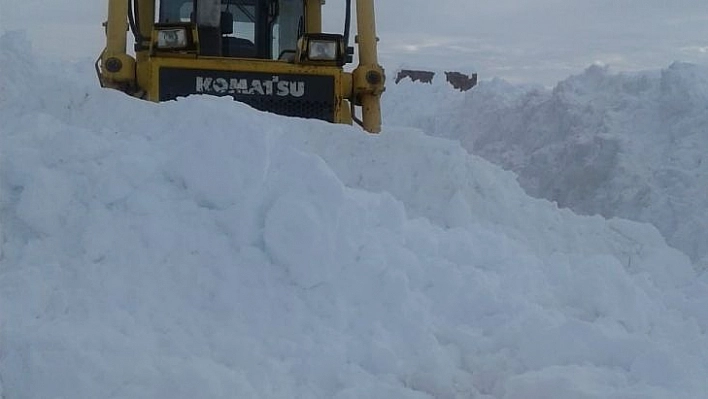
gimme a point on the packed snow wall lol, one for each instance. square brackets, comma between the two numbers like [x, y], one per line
[618, 145]
[199, 248]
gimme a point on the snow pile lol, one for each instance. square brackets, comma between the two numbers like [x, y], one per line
[624, 145]
[202, 249]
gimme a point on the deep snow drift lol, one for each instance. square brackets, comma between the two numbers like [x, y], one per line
[202, 249]
[619, 145]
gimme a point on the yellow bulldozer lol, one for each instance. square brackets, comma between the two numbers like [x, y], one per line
[270, 54]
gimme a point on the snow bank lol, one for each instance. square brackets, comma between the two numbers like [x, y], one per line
[199, 248]
[618, 145]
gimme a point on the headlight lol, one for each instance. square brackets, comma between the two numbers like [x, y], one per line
[172, 38]
[322, 50]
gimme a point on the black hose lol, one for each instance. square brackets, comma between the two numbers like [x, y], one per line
[134, 22]
[131, 20]
[347, 23]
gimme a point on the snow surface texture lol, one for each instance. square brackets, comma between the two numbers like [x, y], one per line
[199, 248]
[618, 145]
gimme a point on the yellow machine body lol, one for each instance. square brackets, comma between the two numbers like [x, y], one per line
[180, 57]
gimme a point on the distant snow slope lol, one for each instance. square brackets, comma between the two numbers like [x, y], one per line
[199, 248]
[625, 145]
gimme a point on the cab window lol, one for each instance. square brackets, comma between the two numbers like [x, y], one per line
[249, 28]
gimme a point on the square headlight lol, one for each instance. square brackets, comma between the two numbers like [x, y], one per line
[172, 38]
[322, 50]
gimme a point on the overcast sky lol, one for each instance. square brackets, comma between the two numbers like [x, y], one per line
[537, 41]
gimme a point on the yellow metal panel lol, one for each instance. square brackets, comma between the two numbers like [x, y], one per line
[246, 65]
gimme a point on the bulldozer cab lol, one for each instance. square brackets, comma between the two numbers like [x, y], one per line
[270, 54]
[246, 28]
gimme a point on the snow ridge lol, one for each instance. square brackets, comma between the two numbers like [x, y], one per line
[619, 145]
[199, 248]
